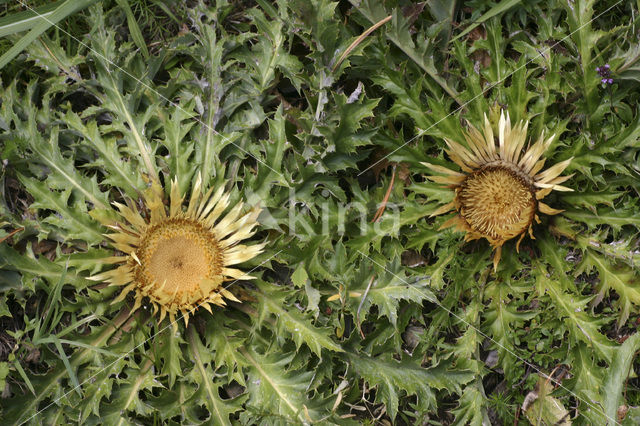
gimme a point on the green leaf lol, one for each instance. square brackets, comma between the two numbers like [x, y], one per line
[22, 408]
[31, 268]
[167, 349]
[590, 199]
[618, 374]
[572, 308]
[271, 301]
[471, 410]
[391, 377]
[587, 383]
[125, 395]
[614, 218]
[208, 389]
[120, 174]
[70, 220]
[618, 277]
[275, 390]
[4, 372]
[299, 276]
[225, 340]
[385, 291]
[400, 34]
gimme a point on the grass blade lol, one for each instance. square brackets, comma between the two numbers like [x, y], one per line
[134, 29]
[64, 10]
[23, 21]
[496, 10]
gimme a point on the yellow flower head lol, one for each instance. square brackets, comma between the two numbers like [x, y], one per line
[497, 194]
[179, 259]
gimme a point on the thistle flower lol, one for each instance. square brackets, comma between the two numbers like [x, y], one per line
[178, 259]
[497, 195]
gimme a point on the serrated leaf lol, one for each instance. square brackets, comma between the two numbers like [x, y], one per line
[271, 301]
[471, 409]
[611, 217]
[299, 276]
[121, 173]
[70, 220]
[226, 342]
[275, 392]
[125, 395]
[391, 376]
[168, 350]
[590, 199]
[400, 34]
[208, 393]
[618, 277]
[64, 174]
[385, 291]
[573, 307]
[30, 268]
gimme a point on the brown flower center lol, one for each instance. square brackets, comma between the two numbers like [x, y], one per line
[176, 256]
[497, 202]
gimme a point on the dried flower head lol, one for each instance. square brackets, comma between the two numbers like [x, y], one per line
[497, 194]
[178, 259]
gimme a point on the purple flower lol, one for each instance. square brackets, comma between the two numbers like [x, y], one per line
[605, 73]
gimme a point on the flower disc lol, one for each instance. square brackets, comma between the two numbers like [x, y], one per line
[176, 256]
[497, 203]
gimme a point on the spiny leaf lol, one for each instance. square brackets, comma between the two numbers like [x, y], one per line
[122, 104]
[496, 10]
[620, 278]
[277, 393]
[390, 376]
[121, 174]
[400, 34]
[272, 302]
[590, 199]
[125, 394]
[226, 341]
[471, 410]
[208, 389]
[545, 409]
[572, 307]
[169, 351]
[614, 218]
[385, 291]
[31, 268]
[587, 382]
[47, 384]
[71, 221]
[64, 175]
